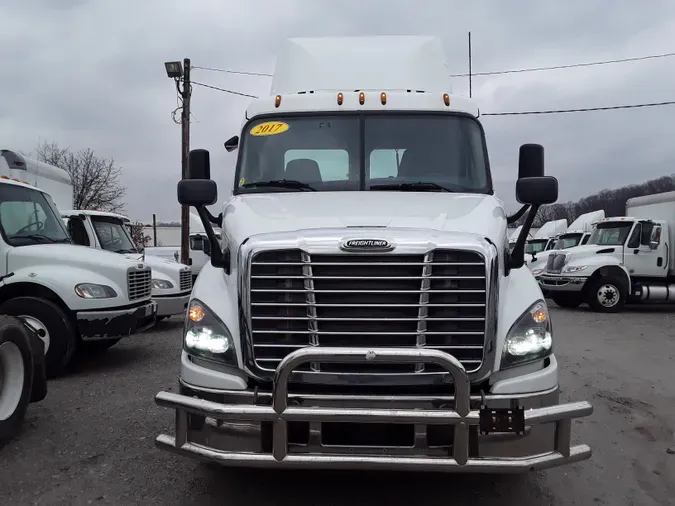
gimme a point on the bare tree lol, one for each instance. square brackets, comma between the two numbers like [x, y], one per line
[138, 235]
[96, 181]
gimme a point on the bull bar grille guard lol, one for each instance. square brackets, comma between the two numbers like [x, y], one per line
[461, 418]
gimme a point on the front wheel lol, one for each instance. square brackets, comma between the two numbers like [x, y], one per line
[51, 324]
[567, 301]
[606, 295]
[16, 376]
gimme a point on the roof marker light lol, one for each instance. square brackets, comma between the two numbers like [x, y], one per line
[362, 98]
[340, 98]
[446, 99]
[383, 98]
[277, 101]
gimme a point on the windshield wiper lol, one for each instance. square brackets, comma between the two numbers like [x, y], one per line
[411, 186]
[279, 183]
[39, 238]
[126, 251]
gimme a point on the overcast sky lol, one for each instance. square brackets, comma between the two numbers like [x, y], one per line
[90, 74]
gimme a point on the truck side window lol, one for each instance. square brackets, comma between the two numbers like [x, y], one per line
[647, 228]
[78, 232]
[634, 241]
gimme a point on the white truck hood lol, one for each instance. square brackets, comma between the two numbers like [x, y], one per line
[252, 214]
[161, 267]
[66, 255]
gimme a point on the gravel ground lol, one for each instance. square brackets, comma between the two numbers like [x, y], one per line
[91, 440]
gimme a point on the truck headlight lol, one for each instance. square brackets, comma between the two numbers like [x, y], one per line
[206, 336]
[574, 268]
[529, 339]
[536, 272]
[94, 291]
[162, 284]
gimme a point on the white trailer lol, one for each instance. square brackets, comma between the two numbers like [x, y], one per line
[362, 309]
[627, 259]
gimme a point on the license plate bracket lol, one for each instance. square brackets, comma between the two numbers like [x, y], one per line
[502, 420]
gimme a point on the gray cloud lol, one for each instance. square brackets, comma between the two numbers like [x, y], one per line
[90, 74]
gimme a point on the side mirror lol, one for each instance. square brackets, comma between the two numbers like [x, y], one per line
[537, 190]
[655, 239]
[232, 143]
[206, 248]
[199, 163]
[531, 161]
[197, 192]
[197, 243]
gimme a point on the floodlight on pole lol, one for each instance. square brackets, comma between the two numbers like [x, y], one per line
[174, 69]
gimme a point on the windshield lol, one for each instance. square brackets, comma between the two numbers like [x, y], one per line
[611, 234]
[350, 152]
[535, 245]
[112, 234]
[567, 241]
[28, 216]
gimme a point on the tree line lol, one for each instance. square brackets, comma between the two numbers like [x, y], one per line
[612, 201]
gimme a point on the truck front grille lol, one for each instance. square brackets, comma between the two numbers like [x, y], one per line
[436, 300]
[186, 279]
[139, 283]
[555, 262]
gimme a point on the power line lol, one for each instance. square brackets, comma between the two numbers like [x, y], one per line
[491, 73]
[585, 109]
[572, 65]
[232, 92]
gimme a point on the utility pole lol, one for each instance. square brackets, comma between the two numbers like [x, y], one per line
[185, 128]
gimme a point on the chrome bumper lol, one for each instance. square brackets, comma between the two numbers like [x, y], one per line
[462, 418]
[557, 283]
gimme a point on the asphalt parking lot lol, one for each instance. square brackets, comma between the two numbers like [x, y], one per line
[91, 440]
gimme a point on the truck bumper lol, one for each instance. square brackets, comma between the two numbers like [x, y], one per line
[116, 323]
[454, 433]
[554, 283]
[169, 305]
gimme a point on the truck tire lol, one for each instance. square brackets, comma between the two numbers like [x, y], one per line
[51, 324]
[16, 376]
[567, 301]
[99, 346]
[606, 295]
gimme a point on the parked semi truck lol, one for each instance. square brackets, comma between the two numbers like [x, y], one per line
[171, 281]
[544, 239]
[362, 309]
[72, 297]
[577, 234]
[627, 259]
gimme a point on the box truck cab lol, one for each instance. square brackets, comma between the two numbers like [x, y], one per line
[71, 296]
[171, 281]
[362, 309]
[577, 234]
[627, 259]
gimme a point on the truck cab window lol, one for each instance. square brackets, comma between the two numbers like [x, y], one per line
[634, 241]
[78, 231]
[611, 233]
[328, 164]
[645, 237]
[28, 217]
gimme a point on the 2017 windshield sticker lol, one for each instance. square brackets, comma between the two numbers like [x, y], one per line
[269, 128]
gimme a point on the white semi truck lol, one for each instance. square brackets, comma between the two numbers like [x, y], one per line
[577, 234]
[72, 297]
[544, 239]
[627, 259]
[362, 309]
[171, 281]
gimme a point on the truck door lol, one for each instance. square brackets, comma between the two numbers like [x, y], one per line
[641, 259]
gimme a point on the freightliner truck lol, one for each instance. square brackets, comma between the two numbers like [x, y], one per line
[362, 309]
[628, 259]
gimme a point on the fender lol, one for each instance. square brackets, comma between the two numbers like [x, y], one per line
[61, 280]
[615, 270]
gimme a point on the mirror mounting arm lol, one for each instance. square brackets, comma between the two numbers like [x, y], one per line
[516, 259]
[216, 220]
[516, 216]
[218, 258]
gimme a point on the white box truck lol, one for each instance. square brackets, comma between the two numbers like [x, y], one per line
[72, 297]
[362, 309]
[171, 281]
[627, 259]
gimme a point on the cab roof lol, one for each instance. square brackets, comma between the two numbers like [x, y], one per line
[71, 212]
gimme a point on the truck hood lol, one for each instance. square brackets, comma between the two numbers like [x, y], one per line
[248, 215]
[169, 268]
[65, 255]
[588, 250]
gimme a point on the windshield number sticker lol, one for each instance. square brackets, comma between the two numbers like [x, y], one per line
[242, 181]
[269, 128]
